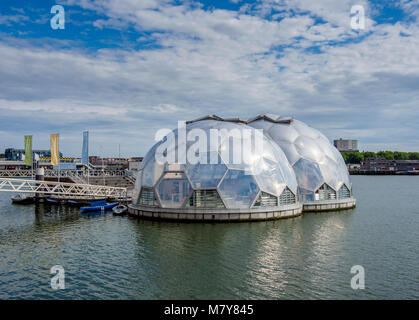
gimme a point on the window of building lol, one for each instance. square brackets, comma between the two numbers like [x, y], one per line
[287, 197]
[266, 200]
[205, 199]
[147, 197]
[325, 192]
[344, 192]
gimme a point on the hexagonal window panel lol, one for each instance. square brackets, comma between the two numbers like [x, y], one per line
[290, 151]
[308, 149]
[173, 189]
[305, 130]
[269, 177]
[151, 173]
[308, 175]
[283, 132]
[206, 175]
[330, 172]
[238, 190]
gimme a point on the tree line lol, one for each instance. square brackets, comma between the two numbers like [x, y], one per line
[357, 157]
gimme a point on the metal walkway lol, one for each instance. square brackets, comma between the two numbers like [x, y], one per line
[62, 189]
[63, 173]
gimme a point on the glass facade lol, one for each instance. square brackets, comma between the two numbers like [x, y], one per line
[297, 162]
[213, 178]
[314, 159]
[205, 199]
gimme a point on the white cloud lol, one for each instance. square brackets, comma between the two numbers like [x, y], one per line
[222, 62]
[9, 20]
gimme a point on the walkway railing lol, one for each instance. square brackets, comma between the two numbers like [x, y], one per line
[61, 189]
[63, 173]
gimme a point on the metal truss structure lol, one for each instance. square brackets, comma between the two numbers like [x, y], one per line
[62, 173]
[68, 190]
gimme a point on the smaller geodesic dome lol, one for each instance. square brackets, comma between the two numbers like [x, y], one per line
[266, 180]
[319, 167]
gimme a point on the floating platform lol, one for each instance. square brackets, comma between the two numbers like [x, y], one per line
[329, 205]
[217, 215]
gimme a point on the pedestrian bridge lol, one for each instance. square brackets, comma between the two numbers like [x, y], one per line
[62, 173]
[62, 189]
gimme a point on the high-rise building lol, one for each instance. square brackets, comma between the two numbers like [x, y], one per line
[346, 144]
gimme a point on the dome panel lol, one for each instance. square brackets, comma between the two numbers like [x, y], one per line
[206, 175]
[283, 132]
[291, 152]
[330, 172]
[231, 153]
[325, 145]
[270, 178]
[137, 186]
[305, 130]
[308, 175]
[343, 171]
[151, 173]
[173, 189]
[289, 176]
[238, 190]
[308, 149]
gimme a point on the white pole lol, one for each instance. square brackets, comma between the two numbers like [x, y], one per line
[103, 165]
[32, 165]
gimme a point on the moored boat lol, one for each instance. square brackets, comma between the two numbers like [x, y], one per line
[22, 199]
[120, 209]
[96, 206]
[77, 203]
[52, 201]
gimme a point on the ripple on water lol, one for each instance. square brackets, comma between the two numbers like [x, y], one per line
[310, 257]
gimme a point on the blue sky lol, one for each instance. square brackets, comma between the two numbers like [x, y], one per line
[125, 69]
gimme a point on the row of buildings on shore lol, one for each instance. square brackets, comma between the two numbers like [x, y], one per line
[14, 159]
[378, 165]
[374, 165]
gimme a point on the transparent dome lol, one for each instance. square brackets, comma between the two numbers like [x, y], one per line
[210, 177]
[319, 167]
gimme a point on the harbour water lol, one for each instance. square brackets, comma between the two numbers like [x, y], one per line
[309, 257]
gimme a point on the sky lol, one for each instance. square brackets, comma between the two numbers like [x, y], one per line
[124, 69]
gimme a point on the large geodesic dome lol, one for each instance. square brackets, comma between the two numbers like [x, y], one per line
[211, 178]
[319, 167]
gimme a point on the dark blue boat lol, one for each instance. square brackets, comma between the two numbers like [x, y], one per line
[99, 206]
[52, 201]
[76, 203]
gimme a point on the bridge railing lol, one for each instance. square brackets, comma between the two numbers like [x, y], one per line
[63, 173]
[61, 188]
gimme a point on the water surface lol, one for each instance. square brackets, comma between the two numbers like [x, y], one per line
[308, 257]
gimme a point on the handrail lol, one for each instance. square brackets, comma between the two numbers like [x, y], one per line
[61, 188]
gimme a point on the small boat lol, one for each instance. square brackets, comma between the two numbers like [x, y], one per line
[21, 199]
[99, 206]
[77, 203]
[52, 201]
[120, 210]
